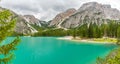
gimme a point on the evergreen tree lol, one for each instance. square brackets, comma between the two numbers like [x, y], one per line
[118, 34]
[112, 58]
[74, 33]
[95, 31]
[90, 31]
[104, 29]
[7, 24]
[83, 31]
[112, 25]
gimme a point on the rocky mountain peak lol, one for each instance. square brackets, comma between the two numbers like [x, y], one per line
[61, 16]
[31, 19]
[91, 12]
[94, 5]
[71, 10]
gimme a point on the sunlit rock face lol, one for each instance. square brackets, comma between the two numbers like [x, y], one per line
[22, 26]
[61, 17]
[32, 20]
[91, 12]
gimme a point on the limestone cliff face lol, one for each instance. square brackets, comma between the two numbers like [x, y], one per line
[61, 17]
[22, 26]
[25, 24]
[91, 12]
[32, 20]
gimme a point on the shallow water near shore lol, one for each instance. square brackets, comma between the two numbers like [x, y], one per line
[50, 50]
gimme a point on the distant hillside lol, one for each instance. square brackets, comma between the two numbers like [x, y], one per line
[91, 12]
[25, 23]
[56, 22]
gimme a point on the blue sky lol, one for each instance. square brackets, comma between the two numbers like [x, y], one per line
[47, 9]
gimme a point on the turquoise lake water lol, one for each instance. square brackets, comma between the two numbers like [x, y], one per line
[50, 50]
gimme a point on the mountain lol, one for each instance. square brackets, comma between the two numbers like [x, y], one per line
[22, 27]
[61, 17]
[34, 21]
[25, 23]
[91, 12]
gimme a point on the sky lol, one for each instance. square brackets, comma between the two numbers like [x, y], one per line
[48, 9]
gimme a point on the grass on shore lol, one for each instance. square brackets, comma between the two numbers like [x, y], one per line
[112, 40]
[107, 39]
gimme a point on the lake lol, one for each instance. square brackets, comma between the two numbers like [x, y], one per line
[50, 50]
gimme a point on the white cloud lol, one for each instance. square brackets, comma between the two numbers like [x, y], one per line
[47, 9]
